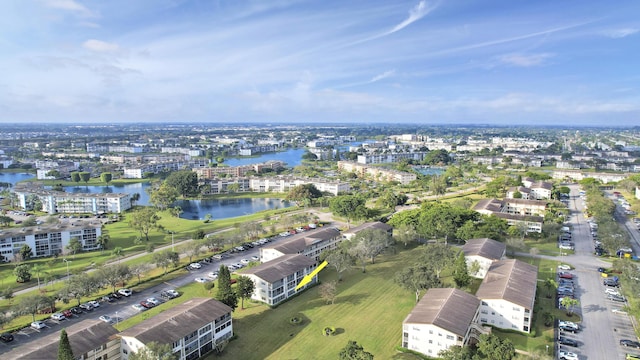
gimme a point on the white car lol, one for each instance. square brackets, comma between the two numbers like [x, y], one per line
[564, 267]
[154, 301]
[138, 307]
[173, 293]
[612, 291]
[568, 324]
[255, 258]
[106, 318]
[195, 265]
[238, 265]
[619, 312]
[567, 355]
[125, 292]
[94, 303]
[201, 280]
[38, 325]
[213, 275]
[58, 316]
[245, 261]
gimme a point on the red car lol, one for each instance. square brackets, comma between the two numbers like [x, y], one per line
[67, 313]
[565, 275]
[147, 304]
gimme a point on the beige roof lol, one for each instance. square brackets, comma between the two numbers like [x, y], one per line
[542, 184]
[84, 336]
[280, 267]
[485, 247]
[370, 225]
[172, 324]
[525, 202]
[493, 205]
[299, 242]
[511, 280]
[450, 309]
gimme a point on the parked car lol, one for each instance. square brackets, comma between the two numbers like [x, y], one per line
[563, 340]
[6, 337]
[94, 303]
[58, 316]
[172, 293]
[564, 267]
[106, 318]
[76, 310]
[154, 301]
[567, 355]
[630, 343]
[611, 291]
[108, 298]
[568, 325]
[195, 265]
[201, 280]
[116, 296]
[125, 292]
[245, 261]
[67, 313]
[138, 307]
[255, 258]
[565, 275]
[41, 325]
[617, 298]
[632, 357]
[612, 282]
[86, 307]
[146, 304]
[213, 275]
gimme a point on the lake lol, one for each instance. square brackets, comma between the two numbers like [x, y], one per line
[192, 209]
[292, 157]
[13, 178]
[429, 170]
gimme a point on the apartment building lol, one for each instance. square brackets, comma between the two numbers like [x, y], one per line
[507, 295]
[276, 280]
[237, 171]
[54, 202]
[192, 328]
[484, 252]
[441, 319]
[376, 173]
[47, 240]
[390, 157]
[309, 243]
[90, 339]
[286, 183]
[516, 212]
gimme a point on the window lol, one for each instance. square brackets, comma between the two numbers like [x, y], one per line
[450, 337]
[430, 331]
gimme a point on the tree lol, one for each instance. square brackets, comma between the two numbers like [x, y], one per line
[135, 197]
[75, 177]
[194, 248]
[175, 211]
[85, 177]
[103, 240]
[185, 182]
[22, 273]
[460, 272]
[53, 173]
[244, 289]
[143, 220]
[569, 304]
[353, 351]
[25, 252]
[304, 194]
[165, 258]
[106, 177]
[163, 196]
[30, 305]
[438, 185]
[367, 244]
[475, 268]
[550, 286]
[113, 275]
[138, 270]
[38, 270]
[225, 293]
[339, 259]
[5, 220]
[516, 244]
[456, 353]
[79, 286]
[438, 256]
[350, 206]
[64, 347]
[417, 278]
[491, 347]
[328, 291]
[154, 351]
[75, 245]
[405, 233]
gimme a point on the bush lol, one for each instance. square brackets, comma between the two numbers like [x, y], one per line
[296, 320]
[328, 330]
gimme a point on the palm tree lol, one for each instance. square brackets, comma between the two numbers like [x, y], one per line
[550, 285]
[548, 318]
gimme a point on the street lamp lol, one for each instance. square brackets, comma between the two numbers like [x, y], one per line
[67, 261]
[172, 247]
[117, 322]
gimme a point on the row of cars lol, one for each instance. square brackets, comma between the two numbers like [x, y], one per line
[153, 301]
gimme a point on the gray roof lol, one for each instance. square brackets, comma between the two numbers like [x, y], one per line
[370, 225]
[299, 242]
[493, 205]
[511, 280]
[280, 267]
[84, 336]
[485, 247]
[542, 184]
[172, 324]
[77, 224]
[450, 309]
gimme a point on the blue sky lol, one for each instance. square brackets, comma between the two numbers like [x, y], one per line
[404, 61]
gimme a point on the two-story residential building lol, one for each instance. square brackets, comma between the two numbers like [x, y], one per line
[309, 243]
[507, 295]
[348, 234]
[528, 213]
[276, 280]
[90, 339]
[484, 252]
[192, 328]
[441, 319]
[50, 239]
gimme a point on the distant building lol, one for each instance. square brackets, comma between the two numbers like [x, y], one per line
[286, 183]
[89, 339]
[441, 319]
[529, 213]
[54, 202]
[276, 280]
[376, 173]
[48, 240]
[508, 293]
[192, 329]
[485, 252]
[348, 234]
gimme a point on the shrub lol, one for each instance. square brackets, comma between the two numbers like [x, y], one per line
[328, 330]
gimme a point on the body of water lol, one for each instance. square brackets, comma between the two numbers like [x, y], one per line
[292, 157]
[429, 170]
[227, 208]
[13, 178]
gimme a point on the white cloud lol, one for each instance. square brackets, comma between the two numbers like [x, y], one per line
[384, 75]
[70, 5]
[620, 33]
[525, 60]
[100, 46]
[415, 14]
